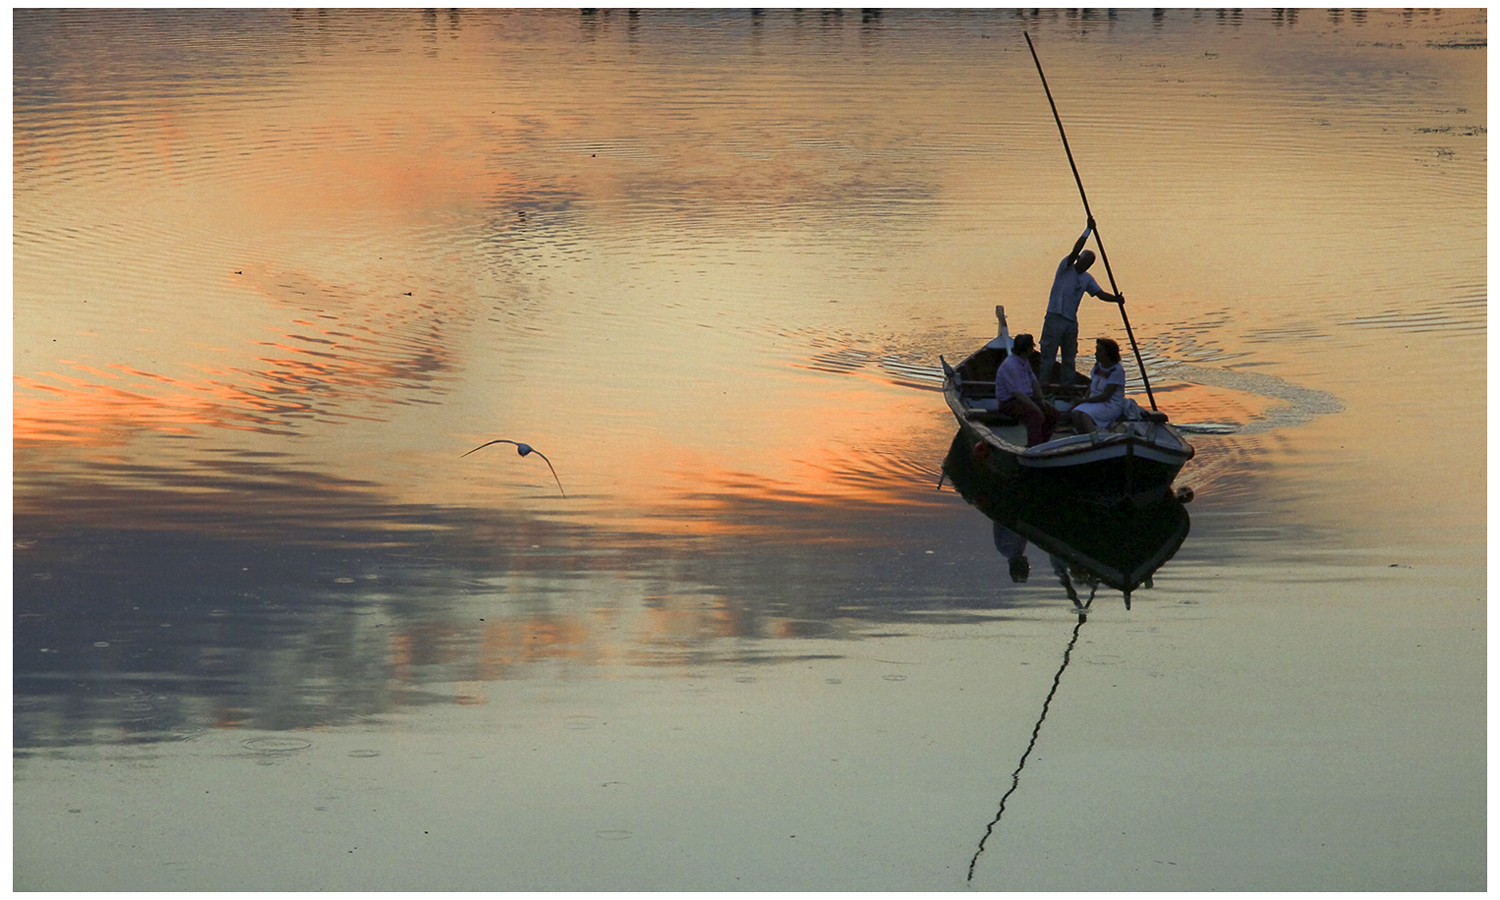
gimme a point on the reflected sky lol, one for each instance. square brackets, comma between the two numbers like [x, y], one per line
[269, 289]
[248, 594]
[275, 272]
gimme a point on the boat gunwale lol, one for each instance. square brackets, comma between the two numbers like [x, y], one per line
[1060, 450]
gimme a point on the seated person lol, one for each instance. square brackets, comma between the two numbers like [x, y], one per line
[1105, 402]
[1019, 394]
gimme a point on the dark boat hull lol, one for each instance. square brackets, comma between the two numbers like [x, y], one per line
[1123, 472]
[1136, 460]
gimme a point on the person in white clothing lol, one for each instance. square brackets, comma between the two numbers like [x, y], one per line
[1105, 402]
[1060, 327]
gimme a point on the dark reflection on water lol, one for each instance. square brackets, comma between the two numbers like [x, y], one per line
[1036, 732]
[151, 603]
[1088, 542]
[154, 602]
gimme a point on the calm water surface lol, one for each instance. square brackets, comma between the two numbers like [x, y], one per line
[274, 272]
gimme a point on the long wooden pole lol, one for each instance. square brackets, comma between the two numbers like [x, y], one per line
[1102, 255]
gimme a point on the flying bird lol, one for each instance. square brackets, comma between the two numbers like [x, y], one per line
[523, 450]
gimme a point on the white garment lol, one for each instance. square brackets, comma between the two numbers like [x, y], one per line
[1104, 414]
[1068, 287]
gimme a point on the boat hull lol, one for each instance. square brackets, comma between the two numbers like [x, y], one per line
[1135, 460]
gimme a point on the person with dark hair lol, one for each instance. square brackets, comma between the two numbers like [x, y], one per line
[1105, 402]
[1060, 327]
[1019, 394]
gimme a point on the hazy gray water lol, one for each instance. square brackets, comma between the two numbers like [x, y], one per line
[275, 272]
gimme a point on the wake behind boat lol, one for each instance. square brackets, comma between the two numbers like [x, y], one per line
[1135, 458]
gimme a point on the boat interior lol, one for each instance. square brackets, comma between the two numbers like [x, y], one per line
[975, 380]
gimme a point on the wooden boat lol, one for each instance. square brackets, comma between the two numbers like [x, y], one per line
[1121, 547]
[1134, 459]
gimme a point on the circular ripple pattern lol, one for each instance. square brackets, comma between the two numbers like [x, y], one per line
[276, 744]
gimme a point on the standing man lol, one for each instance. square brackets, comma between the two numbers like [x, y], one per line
[1060, 328]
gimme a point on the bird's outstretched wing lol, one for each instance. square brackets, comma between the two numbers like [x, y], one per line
[482, 446]
[554, 472]
[524, 450]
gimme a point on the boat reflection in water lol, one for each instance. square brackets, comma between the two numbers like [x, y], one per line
[1091, 543]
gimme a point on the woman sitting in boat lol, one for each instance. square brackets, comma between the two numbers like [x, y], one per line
[1019, 394]
[1105, 402]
